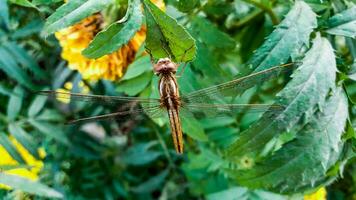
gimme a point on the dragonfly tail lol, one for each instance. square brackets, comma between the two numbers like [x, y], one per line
[176, 130]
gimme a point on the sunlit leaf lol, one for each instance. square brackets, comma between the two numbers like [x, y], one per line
[10, 148]
[117, 34]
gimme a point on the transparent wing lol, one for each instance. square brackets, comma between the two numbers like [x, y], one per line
[153, 111]
[216, 94]
[98, 99]
[201, 110]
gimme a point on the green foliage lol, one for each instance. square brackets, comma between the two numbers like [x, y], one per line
[117, 34]
[307, 145]
[165, 37]
[72, 12]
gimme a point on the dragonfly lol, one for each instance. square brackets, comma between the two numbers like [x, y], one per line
[208, 102]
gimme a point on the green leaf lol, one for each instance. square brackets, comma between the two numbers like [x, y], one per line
[37, 105]
[24, 3]
[235, 193]
[210, 35]
[289, 36]
[140, 66]
[306, 159]
[21, 56]
[140, 154]
[35, 188]
[343, 23]
[50, 131]
[193, 128]
[135, 85]
[186, 5]
[310, 85]
[10, 148]
[4, 13]
[165, 37]
[13, 70]
[4, 90]
[15, 103]
[72, 12]
[24, 138]
[151, 184]
[117, 34]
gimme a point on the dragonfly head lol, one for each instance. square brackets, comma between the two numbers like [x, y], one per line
[164, 65]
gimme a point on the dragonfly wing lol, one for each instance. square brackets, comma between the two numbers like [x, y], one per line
[223, 110]
[216, 93]
[154, 111]
[98, 99]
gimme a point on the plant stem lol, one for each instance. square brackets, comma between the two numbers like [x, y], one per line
[266, 9]
[164, 147]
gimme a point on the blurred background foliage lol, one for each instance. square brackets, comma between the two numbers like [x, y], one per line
[133, 157]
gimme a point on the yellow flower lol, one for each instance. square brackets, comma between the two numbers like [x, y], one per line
[33, 168]
[68, 86]
[318, 195]
[76, 38]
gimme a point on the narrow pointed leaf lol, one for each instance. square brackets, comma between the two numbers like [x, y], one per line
[24, 138]
[31, 187]
[72, 12]
[165, 37]
[50, 131]
[10, 148]
[117, 34]
[15, 103]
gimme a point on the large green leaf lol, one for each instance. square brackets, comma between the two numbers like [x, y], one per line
[15, 103]
[307, 158]
[138, 67]
[72, 12]
[165, 37]
[290, 35]
[343, 23]
[117, 34]
[310, 85]
[141, 154]
[28, 186]
[135, 85]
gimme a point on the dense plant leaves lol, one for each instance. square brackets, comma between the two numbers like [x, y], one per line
[141, 154]
[211, 35]
[290, 35]
[28, 186]
[10, 148]
[117, 34]
[165, 37]
[193, 128]
[343, 23]
[72, 12]
[151, 184]
[4, 13]
[24, 138]
[13, 70]
[300, 163]
[15, 103]
[135, 85]
[242, 193]
[138, 67]
[21, 56]
[186, 5]
[310, 85]
[25, 3]
[50, 131]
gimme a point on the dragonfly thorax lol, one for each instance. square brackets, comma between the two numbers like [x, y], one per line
[164, 66]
